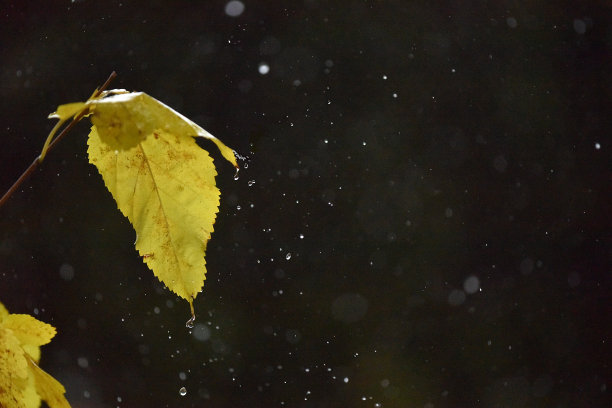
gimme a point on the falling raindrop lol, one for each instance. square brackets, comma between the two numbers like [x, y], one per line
[183, 391]
[288, 256]
[251, 182]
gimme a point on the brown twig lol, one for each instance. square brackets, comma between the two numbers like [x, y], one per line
[55, 141]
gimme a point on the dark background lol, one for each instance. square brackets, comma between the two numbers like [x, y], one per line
[438, 171]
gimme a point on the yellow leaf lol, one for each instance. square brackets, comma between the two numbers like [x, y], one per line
[67, 111]
[12, 359]
[32, 351]
[22, 382]
[29, 330]
[162, 181]
[47, 387]
[3, 312]
[31, 399]
[13, 371]
[123, 120]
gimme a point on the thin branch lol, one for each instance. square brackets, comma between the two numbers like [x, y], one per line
[55, 141]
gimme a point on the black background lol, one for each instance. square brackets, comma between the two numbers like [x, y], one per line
[439, 173]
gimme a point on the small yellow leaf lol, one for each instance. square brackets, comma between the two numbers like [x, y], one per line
[29, 330]
[22, 382]
[67, 111]
[162, 181]
[47, 387]
[32, 351]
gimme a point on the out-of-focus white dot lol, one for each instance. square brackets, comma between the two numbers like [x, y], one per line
[234, 8]
[182, 376]
[83, 362]
[346, 380]
[511, 21]
[597, 146]
[293, 336]
[579, 26]
[264, 68]
[471, 284]
[456, 297]
[66, 272]
[500, 163]
[201, 332]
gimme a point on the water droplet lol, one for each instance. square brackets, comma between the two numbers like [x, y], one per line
[288, 256]
[236, 176]
[263, 68]
[183, 391]
[190, 322]
[234, 8]
[251, 182]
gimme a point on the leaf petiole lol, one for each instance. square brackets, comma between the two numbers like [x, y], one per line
[50, 142]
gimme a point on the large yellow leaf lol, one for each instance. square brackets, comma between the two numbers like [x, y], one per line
[162, 181]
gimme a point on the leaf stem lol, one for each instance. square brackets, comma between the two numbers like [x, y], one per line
[55, 141]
